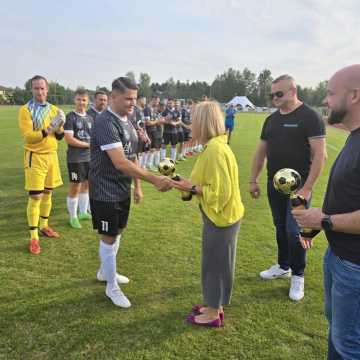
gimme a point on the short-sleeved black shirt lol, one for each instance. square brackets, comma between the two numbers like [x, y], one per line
[169, 128]
[80, 126]
[106, 182]
[287, 137]
[186, 118]
[152, 115]
[93, 113]
[343, 196]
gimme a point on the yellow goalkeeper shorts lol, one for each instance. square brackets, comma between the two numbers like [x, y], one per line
[41, 171]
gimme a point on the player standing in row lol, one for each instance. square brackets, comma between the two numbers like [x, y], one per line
[170, 136]
[153, 122]
[186, 124]
[77, 130]
[179, 130]
[100, 104]
[41, 127]
[138, 119]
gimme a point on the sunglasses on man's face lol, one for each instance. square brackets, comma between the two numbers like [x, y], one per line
[278, 94]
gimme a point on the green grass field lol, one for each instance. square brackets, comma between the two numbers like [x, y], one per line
[51, 306]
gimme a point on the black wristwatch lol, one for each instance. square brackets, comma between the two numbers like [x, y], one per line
[193, 190]
[326, 223]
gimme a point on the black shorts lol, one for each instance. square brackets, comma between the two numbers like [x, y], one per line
[78, 172]
[155, 139]
[170, 139]
[187, 136]
[180, 137]
[109, 217]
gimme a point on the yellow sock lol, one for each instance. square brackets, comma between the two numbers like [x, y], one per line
[33, 214]
[45, 208]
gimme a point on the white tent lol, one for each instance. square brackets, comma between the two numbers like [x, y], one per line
[243, 101]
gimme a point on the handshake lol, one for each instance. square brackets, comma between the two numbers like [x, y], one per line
[56, 123]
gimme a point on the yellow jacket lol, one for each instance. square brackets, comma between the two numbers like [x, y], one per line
[33, 139]
[216, 171]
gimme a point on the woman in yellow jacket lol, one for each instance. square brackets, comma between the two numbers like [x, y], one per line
[215, 182]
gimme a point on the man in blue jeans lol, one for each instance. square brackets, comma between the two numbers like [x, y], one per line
[340, 219]
[292, 137]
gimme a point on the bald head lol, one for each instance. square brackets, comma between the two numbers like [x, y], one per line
[343, 97]
[347, 78]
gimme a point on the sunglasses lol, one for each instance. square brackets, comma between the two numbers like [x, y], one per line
[278, 94]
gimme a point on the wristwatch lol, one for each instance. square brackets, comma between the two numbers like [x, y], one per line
[326, 223]
[193, 190]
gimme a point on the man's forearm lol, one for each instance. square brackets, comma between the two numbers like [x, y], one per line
[136, 172]
[256, 167]
[347, 223]
[315, 170]
[137, 181]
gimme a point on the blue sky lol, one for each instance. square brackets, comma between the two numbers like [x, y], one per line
[90, 43]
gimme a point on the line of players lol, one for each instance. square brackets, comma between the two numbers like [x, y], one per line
[164, 125]
[159, 126]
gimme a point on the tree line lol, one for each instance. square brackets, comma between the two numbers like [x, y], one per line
[224, 87]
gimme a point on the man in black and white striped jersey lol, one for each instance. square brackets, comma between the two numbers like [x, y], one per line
[113, 165]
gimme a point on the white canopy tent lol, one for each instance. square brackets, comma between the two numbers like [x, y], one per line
[243, 101]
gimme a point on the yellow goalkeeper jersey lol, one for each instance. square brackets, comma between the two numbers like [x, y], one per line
[32, 119]
[216, 171]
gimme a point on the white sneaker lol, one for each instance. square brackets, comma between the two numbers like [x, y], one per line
[275, 272]
[118, 297]
[121, 279]
[296, 292]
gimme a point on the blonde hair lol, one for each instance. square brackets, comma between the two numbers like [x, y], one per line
[207, 121]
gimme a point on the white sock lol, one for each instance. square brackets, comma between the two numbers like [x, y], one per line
[116, 249]
[162, 154]
[173, 153]
[83, 202]
[117, 244]
[150, 160]
[108, 263]
[143, 159]
[157, 157]
[72, 205]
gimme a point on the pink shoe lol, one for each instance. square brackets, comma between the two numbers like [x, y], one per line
[196, 311]
[214, 323]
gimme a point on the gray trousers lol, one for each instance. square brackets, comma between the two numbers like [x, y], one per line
[218, 262]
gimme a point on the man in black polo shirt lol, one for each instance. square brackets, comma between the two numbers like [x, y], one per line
[113, 164]
[100, 104]
[292, 137]
[340, 219]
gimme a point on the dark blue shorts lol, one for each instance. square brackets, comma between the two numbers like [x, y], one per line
[229, 124]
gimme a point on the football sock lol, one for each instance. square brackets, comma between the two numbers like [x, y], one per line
[45, 208]
[108, 263]
[83, 202]
[33, 215]
[72, 205]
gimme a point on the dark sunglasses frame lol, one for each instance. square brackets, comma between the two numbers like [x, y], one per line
[278, 94]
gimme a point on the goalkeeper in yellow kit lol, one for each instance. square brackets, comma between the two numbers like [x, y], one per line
[41, 125]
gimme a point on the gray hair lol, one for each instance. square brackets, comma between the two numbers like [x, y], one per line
[284, 77]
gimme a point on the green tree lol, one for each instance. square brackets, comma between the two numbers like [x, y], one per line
[131, 75]
[144, 85]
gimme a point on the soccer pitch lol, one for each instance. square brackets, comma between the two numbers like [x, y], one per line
[52, 307]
